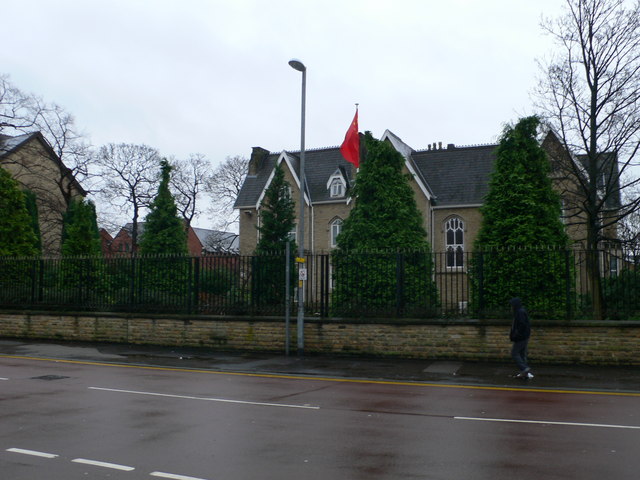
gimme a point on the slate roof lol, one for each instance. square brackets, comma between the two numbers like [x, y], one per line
[320, 164]
[455, 175]
[254, 184]
[9, 144]
[216, 240]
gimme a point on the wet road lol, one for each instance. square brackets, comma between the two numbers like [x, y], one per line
[73, 419]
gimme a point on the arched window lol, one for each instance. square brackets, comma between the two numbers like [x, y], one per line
[336, 228]
[454, 241]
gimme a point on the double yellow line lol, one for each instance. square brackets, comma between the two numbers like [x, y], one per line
[331, 379]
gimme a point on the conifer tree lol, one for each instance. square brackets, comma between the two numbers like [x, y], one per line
[521, 243]
[80, 234]
[80, 275]
[32, 208]
[277, 221]
[277, 216]
[17, 237]
[164, 230]
[384, 259]
[164, 234]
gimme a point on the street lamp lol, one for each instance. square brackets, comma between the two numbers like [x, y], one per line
[299, 66]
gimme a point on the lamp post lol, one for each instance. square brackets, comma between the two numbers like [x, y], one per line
[299, 66]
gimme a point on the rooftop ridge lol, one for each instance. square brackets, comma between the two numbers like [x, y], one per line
[456, 147]
[335, 147]
[316, 149]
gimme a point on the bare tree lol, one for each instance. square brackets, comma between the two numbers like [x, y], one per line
[48, 157]
[590, 95]
[224, 186]
[69, 144]
[130, 176]
[188, 179]
[17, 110]
[629, 229]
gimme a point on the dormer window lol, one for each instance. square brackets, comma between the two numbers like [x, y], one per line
[337, 188]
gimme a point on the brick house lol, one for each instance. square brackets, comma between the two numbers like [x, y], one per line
[200, 241]
[32, 162]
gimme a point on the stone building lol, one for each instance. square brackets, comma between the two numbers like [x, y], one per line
[449, 183]
[32, 162]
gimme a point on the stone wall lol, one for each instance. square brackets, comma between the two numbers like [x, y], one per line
[595, 343]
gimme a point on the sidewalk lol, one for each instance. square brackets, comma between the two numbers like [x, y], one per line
[450, 372]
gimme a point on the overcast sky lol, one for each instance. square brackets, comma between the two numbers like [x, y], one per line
[211, 77]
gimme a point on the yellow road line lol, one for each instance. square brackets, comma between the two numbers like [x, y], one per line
[331, 379]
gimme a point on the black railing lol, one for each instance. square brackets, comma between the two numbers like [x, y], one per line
[554, 284]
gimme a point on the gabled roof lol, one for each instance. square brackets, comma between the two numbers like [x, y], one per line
[9, 145]
[293, 165]
[129, 229]
[215, 240]
[320, 164]
[406, 151]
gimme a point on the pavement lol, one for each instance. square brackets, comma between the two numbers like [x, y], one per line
[445, 372]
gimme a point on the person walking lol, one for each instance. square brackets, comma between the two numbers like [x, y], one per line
[519, 335]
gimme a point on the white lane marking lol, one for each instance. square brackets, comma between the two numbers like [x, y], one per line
[32, 452]
[173, 476]
[1, 378]
[543, 422]
[222, 400]
[103, 464]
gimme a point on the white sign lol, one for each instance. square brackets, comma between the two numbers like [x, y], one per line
[302, 274]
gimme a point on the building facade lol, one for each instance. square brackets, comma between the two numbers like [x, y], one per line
[449, 184]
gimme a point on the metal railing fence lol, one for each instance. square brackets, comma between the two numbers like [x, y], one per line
[553, 284]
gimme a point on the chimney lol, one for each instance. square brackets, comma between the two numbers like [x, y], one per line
[450, 146]
[258, 154]
[439, 145]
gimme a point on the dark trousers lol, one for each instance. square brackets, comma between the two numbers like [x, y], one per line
[519, 354]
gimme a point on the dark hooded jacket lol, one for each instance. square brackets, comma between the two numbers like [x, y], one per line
[520, 327]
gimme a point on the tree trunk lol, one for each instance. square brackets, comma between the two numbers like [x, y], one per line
[594, 277]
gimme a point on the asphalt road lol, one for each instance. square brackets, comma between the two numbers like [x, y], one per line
[77, 419]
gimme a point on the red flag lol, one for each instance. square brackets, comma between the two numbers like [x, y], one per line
[350, 148]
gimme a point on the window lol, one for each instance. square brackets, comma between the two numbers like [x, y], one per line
[336, 228]
[454, 241]
[613, 266]
[337, 188]
[293, 234]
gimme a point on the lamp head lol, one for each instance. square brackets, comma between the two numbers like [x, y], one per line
[297, 65]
